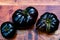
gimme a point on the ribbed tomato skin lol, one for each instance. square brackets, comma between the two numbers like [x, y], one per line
[7, 30]
[48, 22]
[24, 19]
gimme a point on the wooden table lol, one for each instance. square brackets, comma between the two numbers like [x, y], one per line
[7, 8]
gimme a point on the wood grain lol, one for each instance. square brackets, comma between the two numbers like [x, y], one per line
[30, 2]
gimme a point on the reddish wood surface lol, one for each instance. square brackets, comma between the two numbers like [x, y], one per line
[6, 12]
[30, 2]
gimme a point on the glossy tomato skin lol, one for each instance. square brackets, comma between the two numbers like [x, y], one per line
[32, 11]
[23, 19]
[7, 30]
[48, 23]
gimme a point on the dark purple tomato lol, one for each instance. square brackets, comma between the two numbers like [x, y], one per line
[7, 30]
[24, 19]
[48, 22]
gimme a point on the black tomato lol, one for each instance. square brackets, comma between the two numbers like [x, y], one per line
[48, 22]
[24, 19]
[7, 30]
